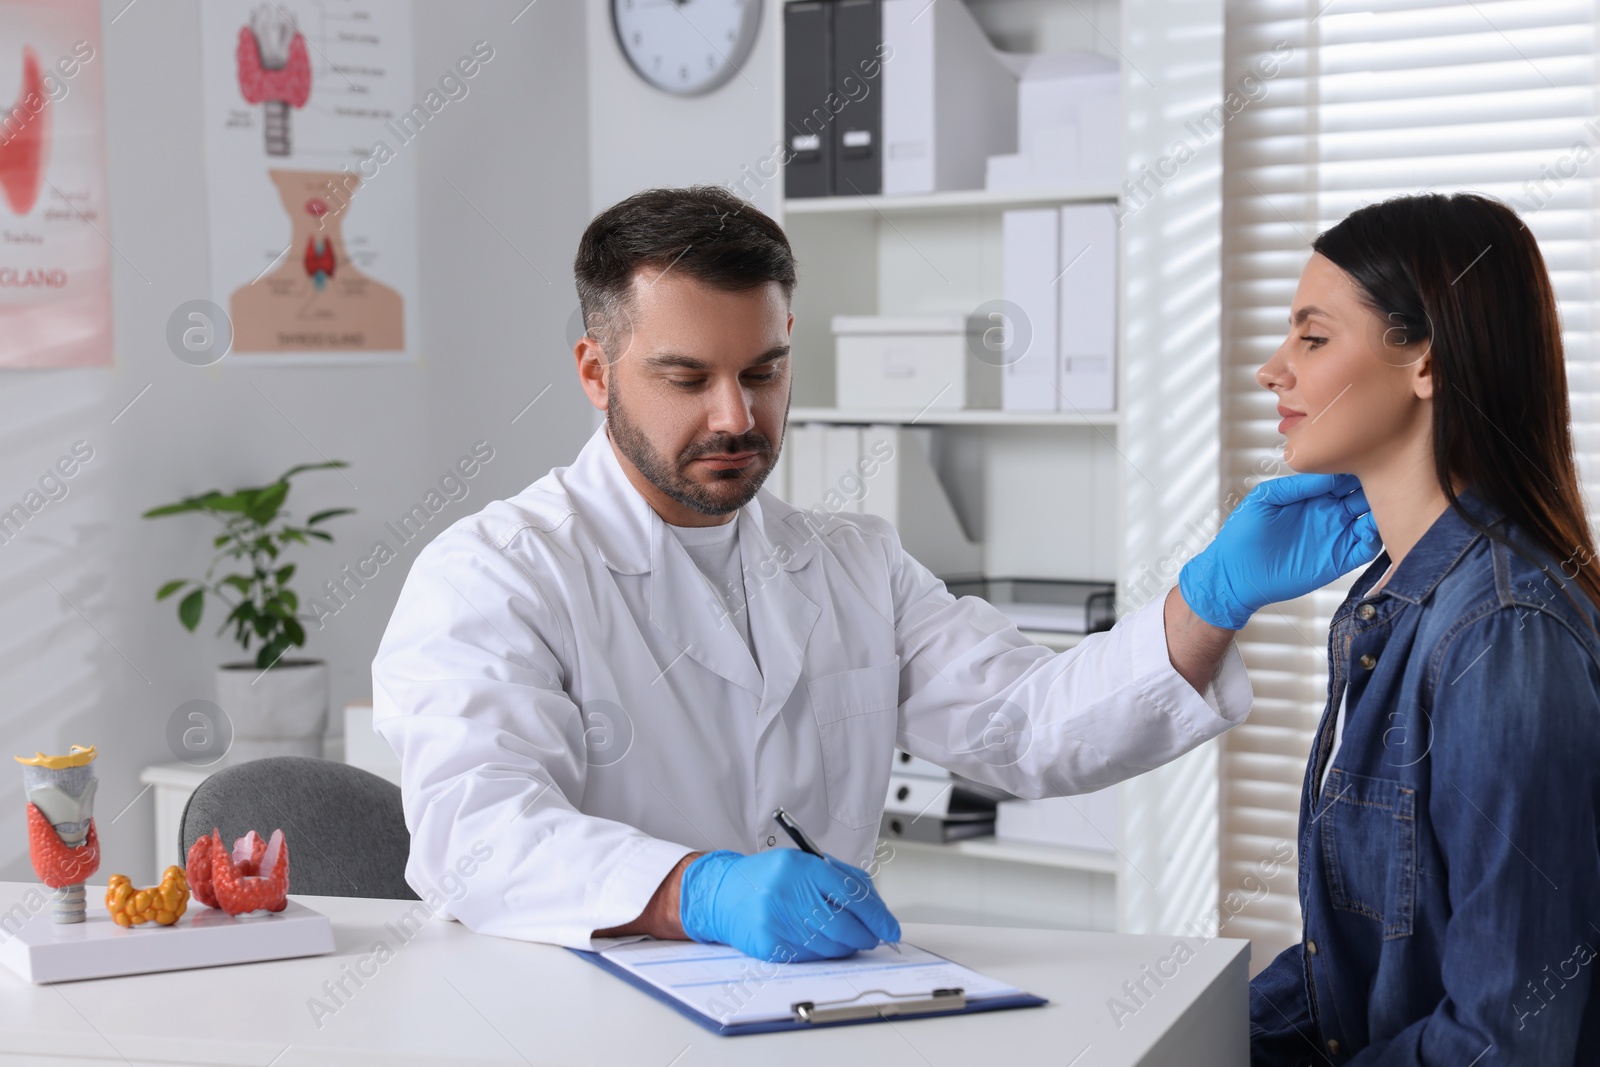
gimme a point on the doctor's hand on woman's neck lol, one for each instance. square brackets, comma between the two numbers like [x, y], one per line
[1286, 538]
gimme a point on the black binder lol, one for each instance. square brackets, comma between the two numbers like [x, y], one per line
[858, 127]
[807, 80]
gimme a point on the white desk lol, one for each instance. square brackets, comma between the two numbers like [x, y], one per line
[451, 996]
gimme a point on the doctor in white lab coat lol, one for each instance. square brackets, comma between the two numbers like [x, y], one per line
[610, 680]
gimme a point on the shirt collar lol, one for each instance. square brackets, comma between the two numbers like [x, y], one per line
[1434, 555]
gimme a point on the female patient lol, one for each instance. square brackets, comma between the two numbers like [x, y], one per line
[1449, 871]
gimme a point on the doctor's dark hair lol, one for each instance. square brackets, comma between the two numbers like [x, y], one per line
[1461, 275]
[704, 231]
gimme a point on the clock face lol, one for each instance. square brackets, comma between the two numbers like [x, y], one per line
[686, 46]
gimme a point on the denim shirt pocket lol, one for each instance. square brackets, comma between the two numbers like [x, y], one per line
[1369, 847]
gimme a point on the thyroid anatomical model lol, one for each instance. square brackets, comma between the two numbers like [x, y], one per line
[253, 878]
[274, 71]
[61, 837]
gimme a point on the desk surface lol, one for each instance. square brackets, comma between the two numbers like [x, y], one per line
[446, 995]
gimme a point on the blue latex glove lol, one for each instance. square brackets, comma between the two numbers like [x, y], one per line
[784, 905]
[1288, 537]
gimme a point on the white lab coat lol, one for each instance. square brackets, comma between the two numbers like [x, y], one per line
[562, 689]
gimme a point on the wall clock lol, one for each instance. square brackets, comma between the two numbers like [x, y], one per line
[686, 47]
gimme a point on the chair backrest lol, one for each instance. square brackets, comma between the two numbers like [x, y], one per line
[345, 827]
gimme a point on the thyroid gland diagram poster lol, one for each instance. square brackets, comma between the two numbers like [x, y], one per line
[55, 250]
[312, 193]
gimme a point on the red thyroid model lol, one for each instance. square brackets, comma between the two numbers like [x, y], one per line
[57, 863]
[255, 876]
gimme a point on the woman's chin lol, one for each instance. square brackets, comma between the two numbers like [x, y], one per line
[1302, 461]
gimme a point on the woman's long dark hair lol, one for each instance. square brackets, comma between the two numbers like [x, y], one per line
[1462, 274]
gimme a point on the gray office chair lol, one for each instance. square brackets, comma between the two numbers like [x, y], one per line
[344, 826]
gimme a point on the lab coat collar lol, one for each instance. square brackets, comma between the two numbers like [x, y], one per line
[625, 527]
[774, 541]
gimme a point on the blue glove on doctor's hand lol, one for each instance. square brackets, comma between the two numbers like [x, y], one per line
[1288, 537]
[784, 905]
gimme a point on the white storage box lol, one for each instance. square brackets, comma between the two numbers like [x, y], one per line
[1069, 123]
[913, 363]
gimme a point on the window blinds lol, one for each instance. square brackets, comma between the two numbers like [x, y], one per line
[1374, 99]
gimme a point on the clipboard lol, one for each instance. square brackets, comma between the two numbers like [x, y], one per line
[815, 1014]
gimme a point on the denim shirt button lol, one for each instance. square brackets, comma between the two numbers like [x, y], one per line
[1333, 1046]
[1368, 661]
[1366, 611]
[1311, 947]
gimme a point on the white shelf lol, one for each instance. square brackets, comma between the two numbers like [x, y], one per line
[942, 203]
[987, 848]
[947, 417]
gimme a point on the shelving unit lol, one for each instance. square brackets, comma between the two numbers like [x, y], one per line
[937, 417]
[1067, 859]
[982, 882]
[1098, 497]
[1038, 489]
[946, 203]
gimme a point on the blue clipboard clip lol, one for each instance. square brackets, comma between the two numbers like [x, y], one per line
[838, 1011]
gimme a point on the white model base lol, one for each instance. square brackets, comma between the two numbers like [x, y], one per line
[42, 950]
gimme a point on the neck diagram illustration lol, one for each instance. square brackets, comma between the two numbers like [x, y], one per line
[317, 299]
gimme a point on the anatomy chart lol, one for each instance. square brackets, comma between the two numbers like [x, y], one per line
[312, 194]
[55, 243]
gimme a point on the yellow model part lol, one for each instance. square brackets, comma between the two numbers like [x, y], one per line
[163, 904]
[78, 757]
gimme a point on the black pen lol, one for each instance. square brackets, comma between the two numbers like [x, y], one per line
[803, 842]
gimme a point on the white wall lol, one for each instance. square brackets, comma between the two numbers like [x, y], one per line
[641, 137]
[86, 655]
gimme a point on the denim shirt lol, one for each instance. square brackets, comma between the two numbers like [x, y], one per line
[1449, 867]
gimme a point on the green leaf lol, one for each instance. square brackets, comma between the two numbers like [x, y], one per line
[239, 582]
[171, 587]
[265, 502]
[319, 535]
[289, 599]
[289, 533]
[189, 609]
[182, 506]
[215, 501]
[322, 516]
[271, 652]
[330, 465]
[265, 624]
[220, 540]
[294, 632]
[285, 573]
[244, 611]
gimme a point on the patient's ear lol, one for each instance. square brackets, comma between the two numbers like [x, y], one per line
[1419, 371]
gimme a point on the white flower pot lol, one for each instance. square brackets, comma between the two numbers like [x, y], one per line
[278, 712]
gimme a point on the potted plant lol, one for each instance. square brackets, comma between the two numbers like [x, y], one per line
[277, 705]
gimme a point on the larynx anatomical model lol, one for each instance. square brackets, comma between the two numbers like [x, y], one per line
[274, 71]
[61, 838]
